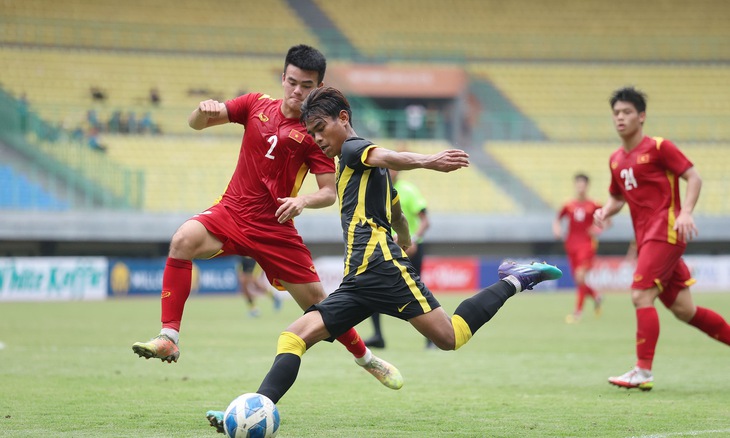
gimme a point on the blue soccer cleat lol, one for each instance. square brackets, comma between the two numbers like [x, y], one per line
[529, 275]
[215, 418]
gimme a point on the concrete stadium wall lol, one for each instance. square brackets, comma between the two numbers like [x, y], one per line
[148, 234]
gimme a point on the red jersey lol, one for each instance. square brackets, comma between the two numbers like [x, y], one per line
[648, 179]
[580, 221]
[276, 154]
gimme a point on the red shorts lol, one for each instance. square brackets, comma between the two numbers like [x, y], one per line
[659, 264]
[580, 256]
[278, 248]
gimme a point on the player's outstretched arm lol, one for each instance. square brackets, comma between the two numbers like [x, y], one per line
[613, 206]
[208, 113]
[324, 197]
[444, 161]
[685, 224]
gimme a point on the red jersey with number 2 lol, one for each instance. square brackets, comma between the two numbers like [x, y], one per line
[648, 179]
[276, 154]
[580, 222]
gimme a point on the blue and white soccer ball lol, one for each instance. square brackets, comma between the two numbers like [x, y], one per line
[251, 416]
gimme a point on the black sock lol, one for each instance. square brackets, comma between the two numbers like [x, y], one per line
[281, 376]
[481, 307]
[376, 325]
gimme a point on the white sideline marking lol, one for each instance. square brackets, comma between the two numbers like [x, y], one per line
[688, 433]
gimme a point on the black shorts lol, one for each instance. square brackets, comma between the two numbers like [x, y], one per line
[392, 287]
[247, 264]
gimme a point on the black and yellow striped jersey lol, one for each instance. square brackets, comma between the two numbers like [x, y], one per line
[366, 197]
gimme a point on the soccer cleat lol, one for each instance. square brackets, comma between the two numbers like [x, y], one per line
[215, 418]
[161, 347]
[572, 318]
[386, 373]
[636, 378]
[598, 306]
[529, 275]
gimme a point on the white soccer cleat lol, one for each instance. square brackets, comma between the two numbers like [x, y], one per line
[636, 378]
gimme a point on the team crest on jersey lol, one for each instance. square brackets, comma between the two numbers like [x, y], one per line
[296, 136]
[263, 117]
[614, 164]
[642, 159]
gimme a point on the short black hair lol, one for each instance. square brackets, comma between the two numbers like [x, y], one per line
[307, 58]
[325, 102]
[582, 176]
[630, 95]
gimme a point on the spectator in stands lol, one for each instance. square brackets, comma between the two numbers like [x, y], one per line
[94, 142]
[146, 125]
[115, 122]
[97, 94]
[132, 125]
[155, 96]
[415, 119]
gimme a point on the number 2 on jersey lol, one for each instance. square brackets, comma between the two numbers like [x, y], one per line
[629, 180]
[273, 140]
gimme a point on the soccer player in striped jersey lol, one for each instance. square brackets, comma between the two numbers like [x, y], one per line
[580, 243]
[378, 275]
[254, 216]
[645, 174]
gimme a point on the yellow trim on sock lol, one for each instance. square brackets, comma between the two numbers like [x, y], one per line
[462, 332]
[290, 343]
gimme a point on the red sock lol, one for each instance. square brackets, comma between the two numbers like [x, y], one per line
[712, 324]
[580, 299]
[588, 291]
[354, 344]
[647, 335]
[176, 281]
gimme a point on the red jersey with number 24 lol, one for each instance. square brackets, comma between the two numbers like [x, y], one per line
[276, 154]
[648, 179]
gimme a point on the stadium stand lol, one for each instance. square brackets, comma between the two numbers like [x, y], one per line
[20, 193]
[216, 26]
[57, 82]
[551, 175]
[569, 101]
[557, 30]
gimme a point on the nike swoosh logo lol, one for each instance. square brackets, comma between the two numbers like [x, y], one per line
[400, 309]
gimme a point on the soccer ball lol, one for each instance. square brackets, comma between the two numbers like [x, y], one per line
[251, 416]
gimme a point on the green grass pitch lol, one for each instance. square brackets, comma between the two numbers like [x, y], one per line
[67, 369]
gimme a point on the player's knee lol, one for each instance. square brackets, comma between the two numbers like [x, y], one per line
[683, 313]
[643, 298]
[444, 342]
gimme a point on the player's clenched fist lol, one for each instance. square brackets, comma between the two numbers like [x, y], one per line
[210, 108]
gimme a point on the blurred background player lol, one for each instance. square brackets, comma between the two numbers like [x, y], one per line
[254, 215]
[253, 284]
[580, 243]
[414, 209]
[645, 175]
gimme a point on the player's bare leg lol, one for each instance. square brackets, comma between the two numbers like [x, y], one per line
[308, 294]
[192, 240]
